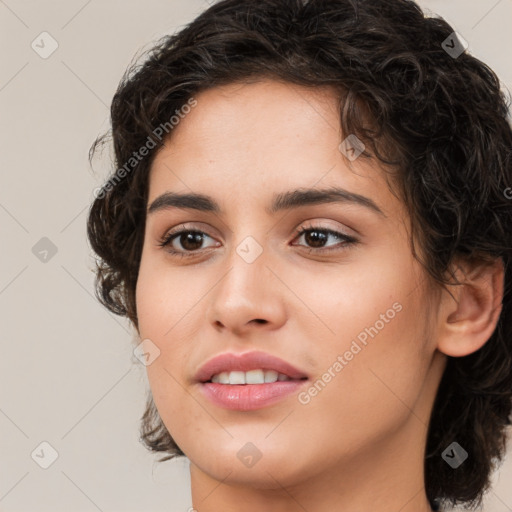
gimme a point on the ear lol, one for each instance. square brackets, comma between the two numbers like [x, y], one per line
[467, 320]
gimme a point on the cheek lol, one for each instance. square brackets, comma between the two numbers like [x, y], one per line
[364, 391]
[165, 297]
[348, 298]
[373, 353]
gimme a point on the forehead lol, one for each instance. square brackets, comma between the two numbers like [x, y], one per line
[246, 140]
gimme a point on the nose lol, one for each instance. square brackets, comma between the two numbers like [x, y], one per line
[248, 296]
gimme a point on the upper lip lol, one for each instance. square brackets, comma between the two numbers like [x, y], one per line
[230, 361]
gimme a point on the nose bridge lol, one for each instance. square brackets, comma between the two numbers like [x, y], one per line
[245, 292]
[247, 262]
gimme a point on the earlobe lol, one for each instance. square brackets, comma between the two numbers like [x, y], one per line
[468, 319]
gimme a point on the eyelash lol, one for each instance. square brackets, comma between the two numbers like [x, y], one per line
[347, 241]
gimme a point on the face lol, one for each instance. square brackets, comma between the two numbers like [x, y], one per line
[344, 301]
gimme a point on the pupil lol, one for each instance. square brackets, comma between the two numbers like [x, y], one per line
[191, 237]
[315, 238]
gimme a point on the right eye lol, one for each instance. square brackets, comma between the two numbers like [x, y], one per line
[190, 241]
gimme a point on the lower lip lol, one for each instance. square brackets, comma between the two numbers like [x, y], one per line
[248, 397]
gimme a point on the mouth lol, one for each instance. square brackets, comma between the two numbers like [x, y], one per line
[251, 377]
[249, 368]
[250, 397]
[249, 382]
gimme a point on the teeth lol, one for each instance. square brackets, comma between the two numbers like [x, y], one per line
[269, 376]
[237, 378]
[250, 377]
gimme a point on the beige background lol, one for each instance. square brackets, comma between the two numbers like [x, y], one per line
[68, 374]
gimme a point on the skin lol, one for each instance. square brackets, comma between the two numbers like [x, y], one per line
[359, 443]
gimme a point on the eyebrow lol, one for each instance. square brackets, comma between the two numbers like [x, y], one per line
[282, 201]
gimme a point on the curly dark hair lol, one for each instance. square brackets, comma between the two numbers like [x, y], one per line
[439, 120]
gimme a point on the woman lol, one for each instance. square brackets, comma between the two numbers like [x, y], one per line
[309, 227]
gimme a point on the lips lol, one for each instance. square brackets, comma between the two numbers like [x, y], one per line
[245, 362]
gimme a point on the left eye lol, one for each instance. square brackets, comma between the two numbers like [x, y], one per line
[318, 236]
